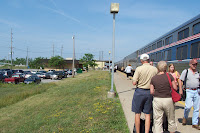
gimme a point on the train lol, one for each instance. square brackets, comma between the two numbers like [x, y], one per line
[177, 46]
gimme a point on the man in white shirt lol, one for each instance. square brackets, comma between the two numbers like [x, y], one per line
[128, 70]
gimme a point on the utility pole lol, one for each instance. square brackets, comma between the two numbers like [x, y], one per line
[73, 55]
[11, 49]
[8, 57]
[102, 55]
[27, 58]
[53, 49]
[61, 50]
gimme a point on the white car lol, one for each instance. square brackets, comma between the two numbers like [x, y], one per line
[28, 75]
[34, 72]
[40, 75]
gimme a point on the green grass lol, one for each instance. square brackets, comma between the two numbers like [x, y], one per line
[13, 67]
[73, 105]
[12, 93]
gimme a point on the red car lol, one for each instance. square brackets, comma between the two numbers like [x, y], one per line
[16, 78]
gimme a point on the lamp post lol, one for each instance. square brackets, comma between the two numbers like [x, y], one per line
[109, 61]
[73, 55]
[114, 9]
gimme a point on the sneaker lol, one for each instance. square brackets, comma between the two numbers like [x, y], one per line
[184, 121]
[196, 126]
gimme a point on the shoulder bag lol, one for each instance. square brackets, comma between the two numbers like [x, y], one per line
[175, 96]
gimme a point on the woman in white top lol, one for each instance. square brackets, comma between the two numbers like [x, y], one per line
[128, 70]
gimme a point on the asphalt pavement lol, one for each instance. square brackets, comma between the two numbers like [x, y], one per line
[125, 90]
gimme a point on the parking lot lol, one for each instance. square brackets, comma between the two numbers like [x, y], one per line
[49, 80]
[33, 76]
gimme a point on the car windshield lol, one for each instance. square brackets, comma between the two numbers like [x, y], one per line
[14, 76]
[31, 77]
[38, 73]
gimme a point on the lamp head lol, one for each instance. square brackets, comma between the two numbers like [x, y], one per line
[114, 8]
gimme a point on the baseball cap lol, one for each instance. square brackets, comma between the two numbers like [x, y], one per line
[144, 57]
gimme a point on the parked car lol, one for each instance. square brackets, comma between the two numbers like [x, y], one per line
[4, 69]
[2, 77]
[51, 70]
[40, 75]
[19, 71]
[64, 75]
[7, 73]
[43, 71]
[34, 72]
[16, 78]
[56, 75]
[47, 75]
[69, 72]
[32, 79]
[28, 75]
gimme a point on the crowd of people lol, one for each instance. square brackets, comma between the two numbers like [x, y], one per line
[152, 95]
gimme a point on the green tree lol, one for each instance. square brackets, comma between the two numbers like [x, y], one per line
[57, 62]
[88, 60]
[19, 61]
[36, 63]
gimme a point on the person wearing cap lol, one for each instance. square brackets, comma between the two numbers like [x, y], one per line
[142, 99]
[192, 97]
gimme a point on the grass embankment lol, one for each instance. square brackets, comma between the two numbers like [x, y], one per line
[71, 105]
[12, 93]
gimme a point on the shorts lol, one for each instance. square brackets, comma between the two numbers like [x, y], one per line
[128, 74]
[142, 101]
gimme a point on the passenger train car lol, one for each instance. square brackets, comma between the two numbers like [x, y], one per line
[178, 46]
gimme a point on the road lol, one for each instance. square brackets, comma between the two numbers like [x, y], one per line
[125, 90]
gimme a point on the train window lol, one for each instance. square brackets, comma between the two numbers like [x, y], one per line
[183, 34]
[153, 57]
[159, 44]
[158, 56]
[195, 47]
[169, 54]
[168, 40]
[181, 52]
[145, 50]
[196, 28]
[149, 48]
[153, 46]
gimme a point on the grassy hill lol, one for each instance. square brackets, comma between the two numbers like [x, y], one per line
[73, 105]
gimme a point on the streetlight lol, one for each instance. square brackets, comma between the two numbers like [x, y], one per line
[73, 55]
[114, 8]
[109, 61]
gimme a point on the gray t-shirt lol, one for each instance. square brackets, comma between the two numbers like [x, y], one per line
[192, 78]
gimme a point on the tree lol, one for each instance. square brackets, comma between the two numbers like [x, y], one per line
[88, 60]
[19, 61]
[57, 62]
[36, 63]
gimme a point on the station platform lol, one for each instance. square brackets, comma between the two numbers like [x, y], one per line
[125, 90]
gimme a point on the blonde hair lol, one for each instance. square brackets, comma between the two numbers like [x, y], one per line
[162, 66]
[170, 66]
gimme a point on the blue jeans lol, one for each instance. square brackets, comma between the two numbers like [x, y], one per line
[192, 98]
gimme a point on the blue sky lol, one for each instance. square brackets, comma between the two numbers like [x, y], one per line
[38, 24]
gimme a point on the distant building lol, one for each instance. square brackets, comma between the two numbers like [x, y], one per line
[68, 63]
[101, 64]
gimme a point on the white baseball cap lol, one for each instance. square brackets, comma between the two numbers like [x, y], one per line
[144, 57]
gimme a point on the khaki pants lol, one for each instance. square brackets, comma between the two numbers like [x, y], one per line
[161, 106]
